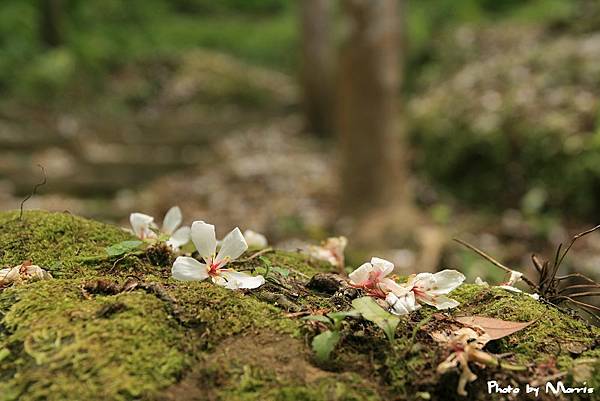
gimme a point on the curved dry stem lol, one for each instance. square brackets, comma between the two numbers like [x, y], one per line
[492, 260]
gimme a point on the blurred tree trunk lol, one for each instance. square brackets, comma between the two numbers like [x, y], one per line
[317, 64]
[372, 171]
[51, 22]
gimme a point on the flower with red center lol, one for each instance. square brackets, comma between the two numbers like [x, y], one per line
[371, 277]
[428, 288]
[233, 246]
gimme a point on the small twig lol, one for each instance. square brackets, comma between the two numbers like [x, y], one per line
[257, 254]
[575, 238]
[584, 294]
[560, 278]
[492, 260]
[34, 191]
[580, 286]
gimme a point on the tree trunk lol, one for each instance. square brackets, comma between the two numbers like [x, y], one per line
[51, 22]
[367, 107]
[317, 65]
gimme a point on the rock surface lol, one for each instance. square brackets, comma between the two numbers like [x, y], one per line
[119, 328]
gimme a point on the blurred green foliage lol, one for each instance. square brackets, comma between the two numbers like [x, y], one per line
[100, 35]
[520, 155]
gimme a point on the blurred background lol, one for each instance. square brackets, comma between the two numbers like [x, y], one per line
[397, 123]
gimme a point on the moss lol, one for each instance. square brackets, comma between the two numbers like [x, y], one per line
[201, 341]
[259, 384]
[226, 313]
[66, 346]
[59, 242]
[552, 332]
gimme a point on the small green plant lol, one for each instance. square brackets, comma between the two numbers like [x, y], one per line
[371, 311]
[124, 247]
[324, 343]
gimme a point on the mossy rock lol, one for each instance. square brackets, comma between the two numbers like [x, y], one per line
[169, 340]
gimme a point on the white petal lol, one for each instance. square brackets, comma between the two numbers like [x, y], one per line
[402, 305]
[232, 247]
[479, 281]
[189, 269]
[361, 274]
[179, 238]
[515, 277]
[382, 265]
[172, 220]
[439, 283]
[141, 224]
[398, 289]
[443, 302]
[204, 238]
[510, 288]
[10, 274]
[235, 280]
[255, 240]
[396, 307]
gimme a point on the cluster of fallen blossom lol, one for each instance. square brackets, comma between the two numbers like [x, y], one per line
[372, 277]
[404, 298]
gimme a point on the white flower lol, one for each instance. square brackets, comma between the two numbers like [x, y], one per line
[371, 277]
[145, 228]
[402, 305]
[331, 250]
[255, 240]
[515, 277]
[25, 271]
[479, 281]
[431, 288]
[232, 246]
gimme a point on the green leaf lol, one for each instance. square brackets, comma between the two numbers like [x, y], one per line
[370, 310]
[123, 247]
[4, 353]
[281, 271]
[318, 318]
[338, 317]
[324, 343]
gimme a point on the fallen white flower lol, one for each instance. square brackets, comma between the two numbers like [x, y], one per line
[402, 305]
[515, 277]
[232, 247]
[331, 250]
[145, 228]
[430, 288]
[255, 239]
[371, 277]
[23, 272]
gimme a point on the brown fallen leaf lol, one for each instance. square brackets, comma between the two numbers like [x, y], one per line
[495, 328]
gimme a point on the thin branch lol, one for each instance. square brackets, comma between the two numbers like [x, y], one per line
[571, 275]
[582, 304]
[584, 294]
[536, 263]
[492, 260]
[580, 286]
[35, 188]
[575, 238]
[257, 254]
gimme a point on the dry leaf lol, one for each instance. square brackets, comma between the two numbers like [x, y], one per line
[495, 328]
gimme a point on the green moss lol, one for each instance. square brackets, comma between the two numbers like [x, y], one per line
[552, 332]
[226, 313]
[256, 384]
[230, 345]
[59, 242]
[62, 344]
